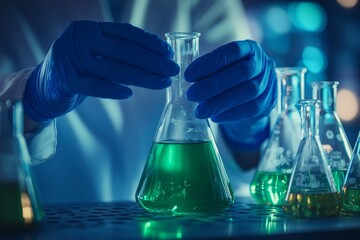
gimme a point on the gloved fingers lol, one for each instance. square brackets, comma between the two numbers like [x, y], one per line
[135, 35]
[221, 58]
[238, 95]
[101, 88]
[239, 72]
[129, 75]
[127, 51]
[255, 108]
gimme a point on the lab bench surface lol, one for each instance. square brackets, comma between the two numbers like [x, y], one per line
[126, 220]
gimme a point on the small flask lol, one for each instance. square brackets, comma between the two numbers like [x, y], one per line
[332, 135]
[19, 202]
[270, 182]
[184, 173]
[312, 192]
[351, 191]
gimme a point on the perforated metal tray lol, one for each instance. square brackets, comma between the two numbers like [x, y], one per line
[126, 220]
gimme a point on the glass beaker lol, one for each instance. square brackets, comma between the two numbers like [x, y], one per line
[270, 182]
[184, 173]
[19, 203]
[312, 191]
[332, 135]
[351, 191]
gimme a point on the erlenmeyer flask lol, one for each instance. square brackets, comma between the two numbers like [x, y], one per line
[184, 173]
[271, 179]
[312, 191]
[351, 190]
[19, 203]
[332, 135]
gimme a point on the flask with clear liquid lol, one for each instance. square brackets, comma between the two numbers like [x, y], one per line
[312, 192]
[351, 191]
[19, 202]
[270, 182]
[184, 173]
[332, 135]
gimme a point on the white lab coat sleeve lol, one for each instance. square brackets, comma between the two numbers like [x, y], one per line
[42, 140]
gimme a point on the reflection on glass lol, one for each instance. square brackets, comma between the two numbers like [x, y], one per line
[161, 230]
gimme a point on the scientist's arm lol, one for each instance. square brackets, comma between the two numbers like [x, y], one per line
[40, 138]
[88, 59]
[235, 86]
[96, 59]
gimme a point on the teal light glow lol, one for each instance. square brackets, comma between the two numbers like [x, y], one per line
[277, 19]
[314, 59]
[307, 16]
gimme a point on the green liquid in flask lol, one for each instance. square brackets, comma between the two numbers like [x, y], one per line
[339, 178]
[10, 205]
[351, 198]
[269, 188]
[184, 178]
[312, 205]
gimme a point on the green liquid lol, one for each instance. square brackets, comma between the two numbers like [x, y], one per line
[312, 205]
[184, 178]
[10, 205]
[269, 188]
[339, 178]
[16, 208]
[351, 198]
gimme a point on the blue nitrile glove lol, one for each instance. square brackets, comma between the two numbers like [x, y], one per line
[235, 86]
[96, 59]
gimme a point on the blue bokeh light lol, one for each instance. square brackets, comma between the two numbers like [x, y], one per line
[314, 59]
[307, 16]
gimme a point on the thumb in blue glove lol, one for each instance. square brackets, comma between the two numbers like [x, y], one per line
[235, 86]
[96, 59]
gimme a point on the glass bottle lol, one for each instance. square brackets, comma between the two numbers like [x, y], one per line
[351, 191]
[19, 203]
[312, 192]
[332, 135]
[184, 173]
[270, 182]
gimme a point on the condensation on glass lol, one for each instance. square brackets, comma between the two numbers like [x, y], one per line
[312, 192]
[270, 182]
[19, 202]
[332, 135]
[184, 173]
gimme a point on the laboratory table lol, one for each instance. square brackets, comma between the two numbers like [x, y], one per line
[126, 220]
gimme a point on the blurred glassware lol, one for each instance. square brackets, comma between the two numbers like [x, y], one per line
[271, 179]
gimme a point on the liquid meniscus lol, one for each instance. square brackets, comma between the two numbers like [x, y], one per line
[351, 198]
[269, 188]
[312, 205]
[184, 178]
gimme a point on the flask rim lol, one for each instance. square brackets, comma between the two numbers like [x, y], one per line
[325, 83]
[290, 70]
[182, 35]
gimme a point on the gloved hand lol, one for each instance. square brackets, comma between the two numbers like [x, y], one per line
[235, 85]
[96, 59]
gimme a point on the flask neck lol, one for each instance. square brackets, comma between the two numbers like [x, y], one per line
[309, 115]
[11, 119]
[325, 91]
[186, 50]
[290, 87]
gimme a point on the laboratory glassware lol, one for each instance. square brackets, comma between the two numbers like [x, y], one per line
[312, 192]
[270, 181]
[351, 191]
[19, 199]
[332, 135]
[184, 173]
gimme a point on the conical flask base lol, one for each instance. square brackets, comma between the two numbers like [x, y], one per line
[184, 178]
